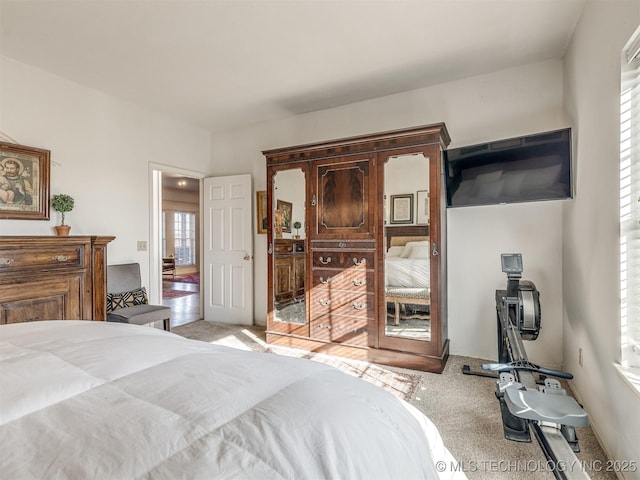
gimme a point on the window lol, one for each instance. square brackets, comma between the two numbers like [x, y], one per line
[630, 203]
[184, 224]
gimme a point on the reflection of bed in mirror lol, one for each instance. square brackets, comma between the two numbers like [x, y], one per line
[407, 289]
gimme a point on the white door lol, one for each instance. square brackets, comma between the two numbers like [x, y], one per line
[228, 250]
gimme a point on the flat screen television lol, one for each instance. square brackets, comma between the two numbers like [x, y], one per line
[522, 169]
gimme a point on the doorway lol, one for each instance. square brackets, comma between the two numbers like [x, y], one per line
[175, 246]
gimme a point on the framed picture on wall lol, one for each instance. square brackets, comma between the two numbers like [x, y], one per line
[24, 182]
[422, 201]
[286, 209]
[261, 211]
[402, 208]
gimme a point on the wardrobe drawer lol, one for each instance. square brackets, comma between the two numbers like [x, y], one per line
[348, 330]
[331, 304]
[355, 280]
[348, 245]
[24, 259]
[343, 259]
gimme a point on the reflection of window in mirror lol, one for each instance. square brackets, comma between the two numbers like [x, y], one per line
[422, 207]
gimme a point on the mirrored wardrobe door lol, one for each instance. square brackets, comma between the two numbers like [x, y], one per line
[407, 248]
[288, 249]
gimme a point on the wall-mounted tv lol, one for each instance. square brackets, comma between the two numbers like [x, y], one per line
[523, 169]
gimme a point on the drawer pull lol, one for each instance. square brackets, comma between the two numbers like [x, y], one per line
[361, 262]
[60, 258]
[359, 283]
[325, 262]
[324, 303]
[6, 261]
[328, 280]
[361, 306]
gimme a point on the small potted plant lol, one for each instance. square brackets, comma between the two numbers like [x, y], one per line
[297, 226]
[62, 203]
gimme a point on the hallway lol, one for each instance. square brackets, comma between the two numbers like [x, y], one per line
[184, 300]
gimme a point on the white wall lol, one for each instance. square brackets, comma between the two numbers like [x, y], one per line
[591, 227]
[102, 148]
[504, 104]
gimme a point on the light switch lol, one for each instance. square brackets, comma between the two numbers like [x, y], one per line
[142, 246]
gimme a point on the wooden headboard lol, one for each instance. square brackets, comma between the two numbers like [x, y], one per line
[400, 235]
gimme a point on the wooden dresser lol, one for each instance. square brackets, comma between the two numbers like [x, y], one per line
[52, 278]
[289, 269]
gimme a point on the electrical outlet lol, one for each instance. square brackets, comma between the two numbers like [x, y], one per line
[580, 356]
[142, 246]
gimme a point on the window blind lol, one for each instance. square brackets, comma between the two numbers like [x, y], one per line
[630, 203]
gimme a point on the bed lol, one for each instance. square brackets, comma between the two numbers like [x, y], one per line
[101, 400]
[407, 268]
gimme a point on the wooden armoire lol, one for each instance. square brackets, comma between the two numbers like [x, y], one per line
[337, 192]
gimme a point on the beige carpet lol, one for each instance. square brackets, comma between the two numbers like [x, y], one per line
[463, 407]
[404, 384]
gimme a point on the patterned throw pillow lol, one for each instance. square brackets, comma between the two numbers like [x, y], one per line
[127, 299]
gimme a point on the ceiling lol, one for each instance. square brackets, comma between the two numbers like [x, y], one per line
[224, 64]
[180, 182]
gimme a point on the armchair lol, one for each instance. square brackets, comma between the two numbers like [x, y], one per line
[127, 300]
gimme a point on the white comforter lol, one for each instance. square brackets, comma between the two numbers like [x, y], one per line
[406, 272]
[97, 400]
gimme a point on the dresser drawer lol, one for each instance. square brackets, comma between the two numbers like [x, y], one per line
[57, 298]
[41, 259]
[343, 259]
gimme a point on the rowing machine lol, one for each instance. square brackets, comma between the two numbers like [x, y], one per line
[528, 403]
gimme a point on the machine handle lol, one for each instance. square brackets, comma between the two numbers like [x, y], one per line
[527, 366]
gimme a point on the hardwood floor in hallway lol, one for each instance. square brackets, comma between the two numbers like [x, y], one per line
[184, 308]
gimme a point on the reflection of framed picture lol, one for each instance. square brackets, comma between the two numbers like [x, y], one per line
[422, 214]
[286, 209]
[402, 208]
[24, 182]
[261, 211]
